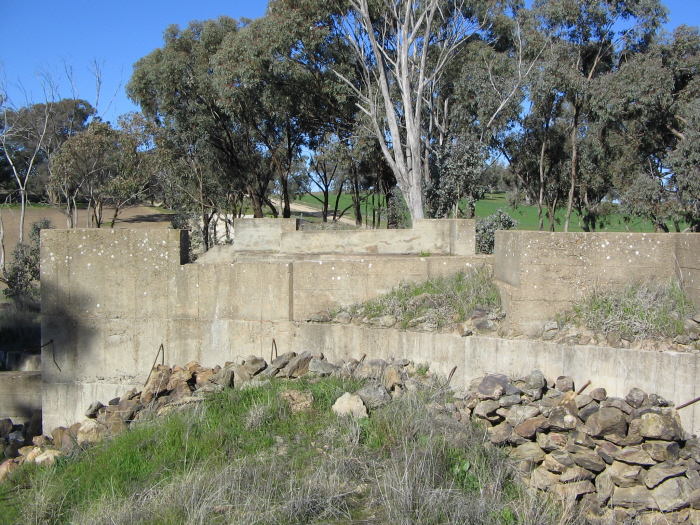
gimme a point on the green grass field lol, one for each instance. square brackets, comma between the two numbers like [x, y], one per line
[525, 215]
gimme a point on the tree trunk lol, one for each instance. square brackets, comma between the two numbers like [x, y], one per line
[574, 162]
[23, 212]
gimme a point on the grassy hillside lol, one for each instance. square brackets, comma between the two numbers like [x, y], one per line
[245, 457]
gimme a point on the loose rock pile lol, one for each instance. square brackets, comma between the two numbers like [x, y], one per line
[621, 456]
[170, 388]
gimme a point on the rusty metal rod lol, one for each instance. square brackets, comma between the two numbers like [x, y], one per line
[452, 372]
[161, 348]
[688, 403]
[578, 393]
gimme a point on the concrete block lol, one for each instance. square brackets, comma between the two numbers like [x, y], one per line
[261, 234]
[262, 291]
[20, 395]
[462, 236]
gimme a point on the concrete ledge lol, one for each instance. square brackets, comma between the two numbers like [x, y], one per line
[20, 395]
[672, 375]
[434, 236]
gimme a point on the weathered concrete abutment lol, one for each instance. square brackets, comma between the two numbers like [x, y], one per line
[541, 274]
[110, 298]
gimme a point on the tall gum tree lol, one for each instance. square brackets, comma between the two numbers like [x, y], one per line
[586, 38]
[404, 50]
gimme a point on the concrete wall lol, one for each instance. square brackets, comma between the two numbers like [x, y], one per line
[437, 237]
[110, 298]
[541, 274]
[20, 395]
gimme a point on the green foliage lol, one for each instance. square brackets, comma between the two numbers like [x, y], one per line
[641, 309]
[22, 273]
[486, 229]
[456, 178]
[441, 301]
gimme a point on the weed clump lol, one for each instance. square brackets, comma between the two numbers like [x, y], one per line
[439, 301]
[641, 309]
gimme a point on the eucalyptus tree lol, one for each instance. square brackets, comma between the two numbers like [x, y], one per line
[587, 38]
[174, 85]
[30, 135]
[650, 112]
[276, 75]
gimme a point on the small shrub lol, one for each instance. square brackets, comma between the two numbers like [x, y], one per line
[641, 309]
[22, 273]
[486, 229]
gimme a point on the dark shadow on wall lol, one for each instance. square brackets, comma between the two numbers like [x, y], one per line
[69, 337]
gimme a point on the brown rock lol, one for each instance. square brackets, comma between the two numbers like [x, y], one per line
[580, 438]
[659, 473]
[543, 479]
[561, 419]
[588, 410]
[546, 443]
[528, 451]
[179, 376]
[619, 403]
[519, 413]
[42, 441]
[669, 495]
[661, 450]
[607, 451]
[180, 391]
[530, 427]
[6, 467]
[372, 369]
[657, 426]
[90, 432]
[486, 408]
[299, 365]
[599, 394]
[5, 427]
[553, 465]
[254, 365]
[583, 400]
[564, 384]
[635, 455]
[624, 475]
[604, 487]
[492, 386]
[637, 497]
[636, 398]
[278, 364]
[156, 385]
[576, 474]
[563, 457]
[607, 420]
[128, 408]
[499, 434]
[48, 457]
[587, 459]
[574, 490]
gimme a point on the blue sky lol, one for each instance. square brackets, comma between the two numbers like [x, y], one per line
[42, 34]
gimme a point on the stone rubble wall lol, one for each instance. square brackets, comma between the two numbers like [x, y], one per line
[623, 458]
